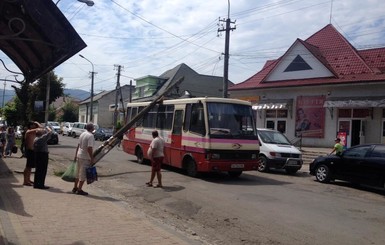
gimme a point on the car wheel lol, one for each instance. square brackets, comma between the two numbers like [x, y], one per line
[191, 168]
[235, 174]
[322, 173]
[263, 165]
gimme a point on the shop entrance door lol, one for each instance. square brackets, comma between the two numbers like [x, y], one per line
[356, 132]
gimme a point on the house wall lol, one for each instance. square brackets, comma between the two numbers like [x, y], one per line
[373, 126]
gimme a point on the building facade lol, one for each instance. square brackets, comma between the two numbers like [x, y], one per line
[102, 115]
[320, 89]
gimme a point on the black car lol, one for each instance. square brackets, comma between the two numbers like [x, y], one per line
[103, 134]
[54, 139]
[362, 164]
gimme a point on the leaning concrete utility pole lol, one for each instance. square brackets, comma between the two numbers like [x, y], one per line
[227, 45]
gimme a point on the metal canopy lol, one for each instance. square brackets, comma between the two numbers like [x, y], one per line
[354, 102]
[36, 36]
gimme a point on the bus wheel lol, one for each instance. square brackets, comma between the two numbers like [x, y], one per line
[235, 174]
[139, 156]
[191, 168]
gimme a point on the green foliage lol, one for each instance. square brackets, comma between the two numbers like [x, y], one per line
[11, 114]
[70, 112]
[29, 92]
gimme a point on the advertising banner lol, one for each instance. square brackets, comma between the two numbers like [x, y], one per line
[310, 116]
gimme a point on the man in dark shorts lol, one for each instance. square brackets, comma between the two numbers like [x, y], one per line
[29, 153]
[156, 153]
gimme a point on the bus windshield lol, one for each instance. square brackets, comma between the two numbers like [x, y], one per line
[230, 121]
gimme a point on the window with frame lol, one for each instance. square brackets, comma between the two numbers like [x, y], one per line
[164, 116]
[197, 119]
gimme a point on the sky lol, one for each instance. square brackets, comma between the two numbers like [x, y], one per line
[149, 37]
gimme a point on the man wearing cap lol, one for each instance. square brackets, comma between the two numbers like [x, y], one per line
[338, 147]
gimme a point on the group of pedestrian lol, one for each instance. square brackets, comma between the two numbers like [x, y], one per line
[7, 141]
[36, 152]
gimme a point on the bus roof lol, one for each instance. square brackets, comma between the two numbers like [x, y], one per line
[194, 100]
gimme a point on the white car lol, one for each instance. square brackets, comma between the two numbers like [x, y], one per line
[67, 128]
[55, 126]
[277, 152]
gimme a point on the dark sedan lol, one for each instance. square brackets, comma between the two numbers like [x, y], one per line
[103, 134]
[54, 139]
[362, 164]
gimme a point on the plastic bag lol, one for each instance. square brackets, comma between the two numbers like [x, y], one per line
[14, 149]
[70, 174]
[91, 174]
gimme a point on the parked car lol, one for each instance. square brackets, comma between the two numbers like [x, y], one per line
[67, 128]
[362, 164]
[78, 128]
[54, 140]
[103, 134]
[55, 126]
[277, 152]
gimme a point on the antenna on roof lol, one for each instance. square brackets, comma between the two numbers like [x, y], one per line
[331, 11]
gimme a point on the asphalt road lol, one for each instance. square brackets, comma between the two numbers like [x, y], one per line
[257, 208]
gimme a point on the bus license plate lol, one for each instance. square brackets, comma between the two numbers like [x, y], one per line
[237, 165]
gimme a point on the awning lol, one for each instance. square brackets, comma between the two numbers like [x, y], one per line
[36, 36]
[354, 102]
[273, 104]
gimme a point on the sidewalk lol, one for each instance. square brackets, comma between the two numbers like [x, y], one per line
[56, 216]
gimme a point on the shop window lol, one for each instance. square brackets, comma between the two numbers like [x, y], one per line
[270, 124]
[271, 113]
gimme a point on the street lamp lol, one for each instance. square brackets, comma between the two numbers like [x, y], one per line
[92, 87]
[5, 83]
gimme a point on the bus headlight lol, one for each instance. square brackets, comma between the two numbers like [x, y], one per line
[253, 156]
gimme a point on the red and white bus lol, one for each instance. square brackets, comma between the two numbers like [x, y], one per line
[200, 134]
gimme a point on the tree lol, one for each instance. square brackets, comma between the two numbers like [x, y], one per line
[70, 112]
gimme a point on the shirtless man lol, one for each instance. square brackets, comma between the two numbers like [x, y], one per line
[29, 153]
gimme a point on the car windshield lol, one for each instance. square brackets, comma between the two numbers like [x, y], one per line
[273, 137]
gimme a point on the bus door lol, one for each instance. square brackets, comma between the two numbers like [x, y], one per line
[175, 154]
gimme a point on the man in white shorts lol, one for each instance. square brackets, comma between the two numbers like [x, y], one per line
[84, 158]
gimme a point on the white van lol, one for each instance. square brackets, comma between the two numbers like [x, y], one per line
[277, 152]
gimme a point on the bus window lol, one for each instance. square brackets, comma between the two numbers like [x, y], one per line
[187, 118]
[128, 115]
[164, 118]
[197, 122]
[178, 120]
[149, 120]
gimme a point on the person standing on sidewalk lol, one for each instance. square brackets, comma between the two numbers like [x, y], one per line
[3, 140]
[156, 153]
[338, 147]
[11, 140]
[40, 148]
[30, 135]
[84, 158]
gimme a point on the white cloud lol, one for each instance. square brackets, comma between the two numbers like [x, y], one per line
[149, 37]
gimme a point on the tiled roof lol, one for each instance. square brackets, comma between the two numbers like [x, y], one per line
[335, 53]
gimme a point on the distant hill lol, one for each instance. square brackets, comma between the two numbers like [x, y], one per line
[77, 93]
[74, 93]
